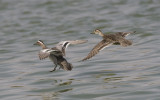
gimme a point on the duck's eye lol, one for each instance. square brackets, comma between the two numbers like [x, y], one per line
[96, 30]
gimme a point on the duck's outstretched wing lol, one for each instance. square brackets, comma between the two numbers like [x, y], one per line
[124, 34]
[64, 44]
[46, 53]
[100, 46]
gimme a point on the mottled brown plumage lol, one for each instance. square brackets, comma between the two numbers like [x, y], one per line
[109, 39]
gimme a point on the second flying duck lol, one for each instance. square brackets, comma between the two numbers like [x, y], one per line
[109, 39]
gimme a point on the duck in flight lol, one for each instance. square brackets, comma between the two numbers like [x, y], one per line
[57, 53]
[109, 39]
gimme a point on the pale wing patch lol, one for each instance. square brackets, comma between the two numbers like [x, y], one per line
[64, 44]
[45, 53]
[77, 41]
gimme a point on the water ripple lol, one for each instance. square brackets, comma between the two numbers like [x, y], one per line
[116, 73]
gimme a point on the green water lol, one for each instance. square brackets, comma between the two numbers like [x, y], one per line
[116, 73]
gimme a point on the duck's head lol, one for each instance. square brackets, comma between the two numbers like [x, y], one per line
[96, 31]
[39, 42]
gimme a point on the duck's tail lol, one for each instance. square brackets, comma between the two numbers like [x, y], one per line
[65, 65]
[125, 43]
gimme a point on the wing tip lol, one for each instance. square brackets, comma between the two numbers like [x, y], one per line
[86, 58]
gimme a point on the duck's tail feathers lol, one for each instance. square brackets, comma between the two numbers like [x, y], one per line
[125, 43]
[65, 65]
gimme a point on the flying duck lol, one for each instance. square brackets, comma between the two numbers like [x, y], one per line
[109, 39]
[57, 53]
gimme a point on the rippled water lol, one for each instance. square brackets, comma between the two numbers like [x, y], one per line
[116, 73]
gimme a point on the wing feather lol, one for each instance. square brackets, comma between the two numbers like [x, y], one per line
[100, 46]
[64, 44]
[124, 34]
[45, 53]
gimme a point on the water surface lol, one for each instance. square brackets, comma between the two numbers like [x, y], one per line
[116, 73]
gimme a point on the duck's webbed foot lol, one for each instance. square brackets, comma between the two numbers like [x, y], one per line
[53, 69]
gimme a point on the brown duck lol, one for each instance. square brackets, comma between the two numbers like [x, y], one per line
[109, 39]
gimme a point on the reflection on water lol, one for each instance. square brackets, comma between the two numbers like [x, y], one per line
[46, 95]
[50, 96]
[54, 95]
[106, 80]
[65, 83]
[116, 73]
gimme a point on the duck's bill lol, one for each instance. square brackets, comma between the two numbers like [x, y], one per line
[35, 44]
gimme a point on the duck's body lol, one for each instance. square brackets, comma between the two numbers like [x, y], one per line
[61, 61]
[117, 39]
[56, 54]
[109, 39]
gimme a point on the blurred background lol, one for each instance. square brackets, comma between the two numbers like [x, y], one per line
[116, 73]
